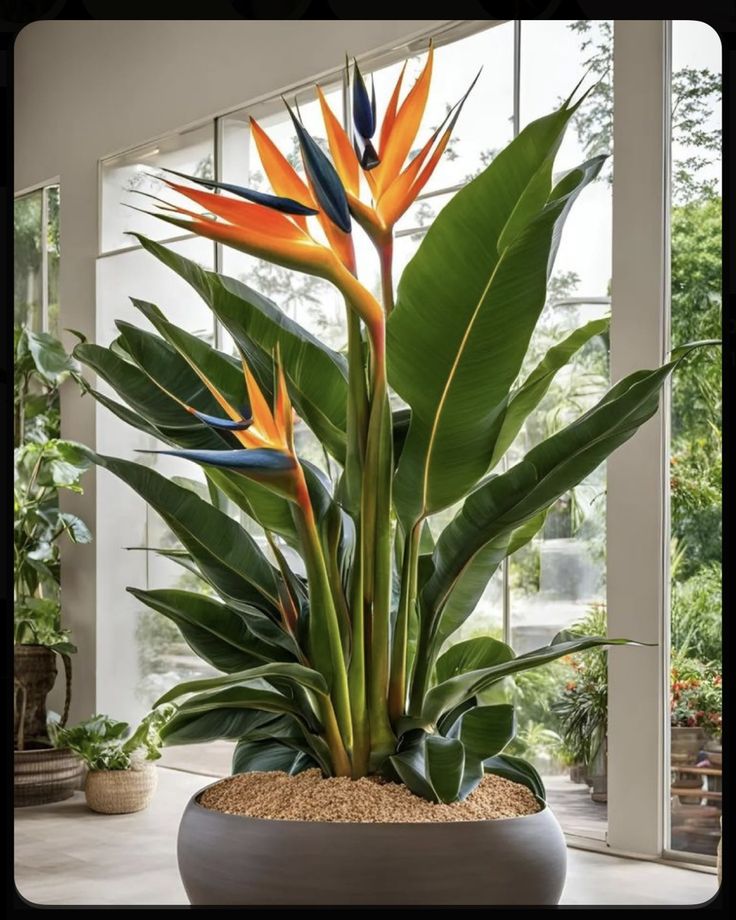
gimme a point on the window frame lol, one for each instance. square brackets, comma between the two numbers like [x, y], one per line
[42, 187]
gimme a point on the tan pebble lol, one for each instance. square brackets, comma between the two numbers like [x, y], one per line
[311, 797]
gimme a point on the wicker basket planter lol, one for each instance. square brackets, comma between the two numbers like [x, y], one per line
[120, 792]
[45, 774]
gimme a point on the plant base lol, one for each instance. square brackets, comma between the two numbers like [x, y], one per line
[43, 774]
[240, 861]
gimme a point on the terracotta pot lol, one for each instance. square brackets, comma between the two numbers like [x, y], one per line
[253, 862]
[685, 742]
[44, 774]
[120, 792]
[35, 673]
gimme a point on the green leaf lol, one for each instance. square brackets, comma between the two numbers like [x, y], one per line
[528, 396]
[518, 771]
[143, 395]
[75, 528]
[438, 769]
[284, 670]
[216, 724]
[51, 360]
[481, 652]
[514, 499]
[225, 553]
[485, 730]
[251, 756]
[445, 765]
[317, 376]
[466, 305]
[213, 631]
[452, 691]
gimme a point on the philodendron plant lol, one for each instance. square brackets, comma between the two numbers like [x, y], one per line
[345, 661]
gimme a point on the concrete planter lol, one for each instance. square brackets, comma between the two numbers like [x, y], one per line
[240, 861]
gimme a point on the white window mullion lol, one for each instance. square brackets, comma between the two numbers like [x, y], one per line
[636, 520]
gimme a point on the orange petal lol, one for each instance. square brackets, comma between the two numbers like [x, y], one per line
[405, 127]
[398, 196]
[263, 418]
[284, 414]
[281, 174]
[343, 155]
[390, 115]
[242, 213]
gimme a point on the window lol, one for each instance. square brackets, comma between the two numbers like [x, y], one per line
[695, 445]
[36, 259]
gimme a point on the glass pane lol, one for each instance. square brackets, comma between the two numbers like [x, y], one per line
[27, 252]
[123, 176]
[52, 257]
[486, 122]
[558, 580]
[137, 645]
[695, 448]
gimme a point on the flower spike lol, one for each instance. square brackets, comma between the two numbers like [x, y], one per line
[364, 110]
[326, 184]
[279, 203]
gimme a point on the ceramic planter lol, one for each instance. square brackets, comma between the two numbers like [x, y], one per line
[43, 774]
[120, 792]
[685, 742]
[240, 861]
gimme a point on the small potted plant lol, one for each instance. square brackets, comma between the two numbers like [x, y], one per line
[44, 464]
[121, 776]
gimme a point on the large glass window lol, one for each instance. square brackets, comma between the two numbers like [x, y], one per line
[695, 446]
[36, 259]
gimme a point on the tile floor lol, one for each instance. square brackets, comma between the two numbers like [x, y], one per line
[66, 854]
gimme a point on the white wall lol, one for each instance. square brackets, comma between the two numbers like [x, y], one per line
[84, 90]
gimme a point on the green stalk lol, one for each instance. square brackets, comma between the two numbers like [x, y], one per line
[407, 598]
[325, 644]
[356, 670]
[376, 517]
[423, 664]
[338, 755]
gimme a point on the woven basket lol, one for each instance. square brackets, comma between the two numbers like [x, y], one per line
[44, 774]
[120, 792]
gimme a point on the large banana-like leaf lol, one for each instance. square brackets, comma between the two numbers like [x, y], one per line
[214, 632]
[467, 303]
[437, 768]
[270, 755]
[225, 553]
[142, 395]
[317, 375]
[451, 692]
[288, 671]
[479, 652]
[528, 396]
[220, 722]
[485, 730]
[512, 499]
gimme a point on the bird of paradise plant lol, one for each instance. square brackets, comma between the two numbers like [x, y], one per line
[344, 660]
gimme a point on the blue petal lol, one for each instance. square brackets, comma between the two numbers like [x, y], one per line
[366, 153]
[364, 115]
[260, 459]
[286, 205]
[224, 423]
[327, 185]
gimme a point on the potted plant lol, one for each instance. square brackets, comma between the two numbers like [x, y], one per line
[121, 776]
[43, 465]
[582, 710]
[339, 678]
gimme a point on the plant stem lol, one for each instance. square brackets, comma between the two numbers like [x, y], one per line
[356, 670]
[423, 664]
[339, 756]
[386, 256]
[397, 683]
[324, 628]
[376, 516]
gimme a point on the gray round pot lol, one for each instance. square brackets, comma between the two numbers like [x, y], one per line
[249, 862]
